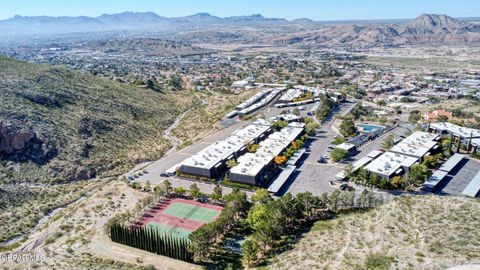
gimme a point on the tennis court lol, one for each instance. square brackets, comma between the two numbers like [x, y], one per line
[168, 229]
[179, 217]
[193, 212]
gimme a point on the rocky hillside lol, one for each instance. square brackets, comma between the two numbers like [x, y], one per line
[413, 232]
[57, 124]
[146, 47]
[427, 29]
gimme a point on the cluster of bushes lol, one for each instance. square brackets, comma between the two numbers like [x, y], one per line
[305, 96]
[338, 154]
[295, 145]
[326, 106]
[347, 127]
[228, 183]
[271, 221]
[196, 177]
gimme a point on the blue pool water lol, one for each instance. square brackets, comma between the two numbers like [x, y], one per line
[369, 128]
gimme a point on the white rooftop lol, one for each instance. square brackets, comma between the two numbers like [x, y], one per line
[410, 149]
[214, 153]
[286, 117]
[361, 162]
[296, 124]
[421, 138]
[251, 131]
[262, 122]
[374, 154]
[456, 130]
[252, 163]
[291, 94]
[286, 134]
[272, 147]
[389, 163]
[220, 150]
[345, 146]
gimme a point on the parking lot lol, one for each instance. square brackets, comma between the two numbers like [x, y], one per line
[310, 176]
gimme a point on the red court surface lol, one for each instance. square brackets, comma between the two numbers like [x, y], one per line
[178, 219]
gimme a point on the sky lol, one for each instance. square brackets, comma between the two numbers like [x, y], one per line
[322, 10]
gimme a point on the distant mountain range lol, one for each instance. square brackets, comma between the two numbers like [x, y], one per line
[22, 25]
[426, 29]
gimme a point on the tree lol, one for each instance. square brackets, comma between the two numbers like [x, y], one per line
[279, 124]
[414, 116]
[167, 186]
[338, 154]
[160, 190]
[446, 144]
[249, 252]
[326, 106]
[252, 147]
[333, 200]
[430, 161]
[338, 140]
[418, 173]
[180, 191]
[280, 160]
[217, 193]
[374, 180]
[195, 191]
[442, 118]
[231, 163]
[347, 128]
[348, 171]
[388, 142]
[310, 128]
[147, 187]
[261, 195]
[398, 182]
[135, 185]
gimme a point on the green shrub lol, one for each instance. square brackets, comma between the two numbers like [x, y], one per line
[378, 261]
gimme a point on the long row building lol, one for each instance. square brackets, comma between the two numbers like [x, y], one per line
[211, 161]
[253, 167]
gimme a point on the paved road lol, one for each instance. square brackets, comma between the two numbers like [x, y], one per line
[161, 165]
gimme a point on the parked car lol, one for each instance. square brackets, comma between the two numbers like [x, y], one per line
[130, 178]
[345, 186]
[323, 159]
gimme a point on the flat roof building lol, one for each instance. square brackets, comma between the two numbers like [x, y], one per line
[210, 161]
[290, 95]
[418, 145]
[390, 164]
[456, 130]
[251, 167]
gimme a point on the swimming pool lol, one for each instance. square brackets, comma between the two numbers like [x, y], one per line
[368, 128]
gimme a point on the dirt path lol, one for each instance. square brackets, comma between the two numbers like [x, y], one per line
[167, 135]
[103, 247]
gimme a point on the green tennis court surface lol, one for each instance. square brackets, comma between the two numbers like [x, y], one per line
[193, 212]
[168, 229]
